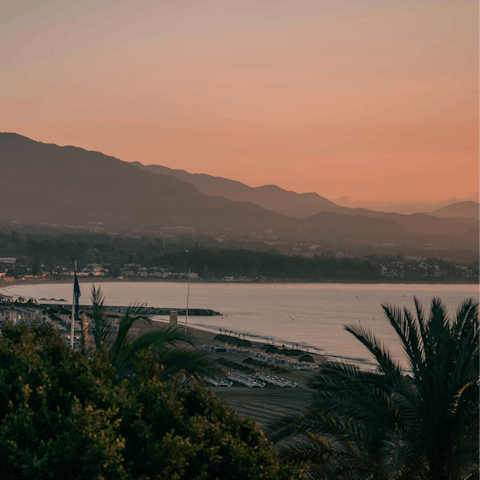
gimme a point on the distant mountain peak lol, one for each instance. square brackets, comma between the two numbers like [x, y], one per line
[466, 209]
[273, 188]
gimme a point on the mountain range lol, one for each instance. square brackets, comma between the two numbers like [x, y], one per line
[46, 183]
[462, 218]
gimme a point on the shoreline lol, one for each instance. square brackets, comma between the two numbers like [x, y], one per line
[258, 341]
[51, 281]
[261, 405]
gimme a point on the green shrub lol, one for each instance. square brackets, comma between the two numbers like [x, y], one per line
[63, 415]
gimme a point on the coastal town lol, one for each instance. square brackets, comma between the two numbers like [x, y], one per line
[339, 266]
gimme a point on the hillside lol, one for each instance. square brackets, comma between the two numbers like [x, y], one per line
[348, 228]
[46, 183]
[270, 197]
[69, 185]
[370, 230]
[467, 209]
[418, 222]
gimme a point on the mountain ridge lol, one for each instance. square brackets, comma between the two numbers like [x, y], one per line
[46, 183]
[279, 200]
[270, 197]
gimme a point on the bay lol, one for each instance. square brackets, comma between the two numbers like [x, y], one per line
[311, 316]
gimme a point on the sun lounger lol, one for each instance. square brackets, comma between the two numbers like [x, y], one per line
[247, 380]
[274, 380]
[218, 382]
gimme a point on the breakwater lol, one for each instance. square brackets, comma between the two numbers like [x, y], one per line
[193, 312]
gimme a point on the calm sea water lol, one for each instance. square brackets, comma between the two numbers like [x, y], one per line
[310, 315]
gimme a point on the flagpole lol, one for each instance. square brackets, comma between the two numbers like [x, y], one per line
[188, 294]
[73, 310]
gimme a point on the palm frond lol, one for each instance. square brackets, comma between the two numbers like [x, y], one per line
[465, 316]
[325, 459]
[132, 315]
[385, 362]
[438, 323]
[408, 332]
[395, 452]
[190, 362]
[159, 340]
[102, 331]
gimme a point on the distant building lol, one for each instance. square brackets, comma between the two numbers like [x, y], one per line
[94, 269]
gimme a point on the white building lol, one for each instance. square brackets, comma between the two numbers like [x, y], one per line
[9, 260]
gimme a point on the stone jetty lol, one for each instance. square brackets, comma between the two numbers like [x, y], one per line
[192, 312]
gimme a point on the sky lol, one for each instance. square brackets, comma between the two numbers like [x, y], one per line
[372, 100]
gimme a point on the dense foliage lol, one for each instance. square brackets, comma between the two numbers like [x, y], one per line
[39, 253]
[389, 424]
[66, 416]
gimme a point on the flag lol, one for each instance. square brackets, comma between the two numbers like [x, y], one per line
[76, 296]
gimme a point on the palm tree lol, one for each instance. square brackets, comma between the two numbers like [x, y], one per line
[122, 347]
[420, 423]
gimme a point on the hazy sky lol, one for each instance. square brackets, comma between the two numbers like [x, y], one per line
[373, 99]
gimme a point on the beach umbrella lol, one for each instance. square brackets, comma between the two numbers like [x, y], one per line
[43, 300]
[272, 349]
[62, 300]
[306, 358]
[52, 300]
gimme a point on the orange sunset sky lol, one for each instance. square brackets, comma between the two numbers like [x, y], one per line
[373, 99]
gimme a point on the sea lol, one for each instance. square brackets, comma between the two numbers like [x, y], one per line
[311, 316]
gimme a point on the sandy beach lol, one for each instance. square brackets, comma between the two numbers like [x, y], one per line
[259, 404]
